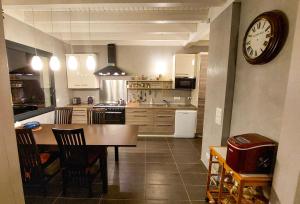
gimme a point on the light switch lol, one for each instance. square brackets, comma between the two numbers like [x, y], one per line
[218, 118]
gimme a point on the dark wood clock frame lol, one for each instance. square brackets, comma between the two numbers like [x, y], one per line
[279, 32]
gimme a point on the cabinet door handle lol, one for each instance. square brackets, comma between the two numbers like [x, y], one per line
[164, 116]
[164, 125]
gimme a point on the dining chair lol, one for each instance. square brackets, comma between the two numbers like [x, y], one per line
[37, 169]
[96, 116]
[63, 115]
[80, 164]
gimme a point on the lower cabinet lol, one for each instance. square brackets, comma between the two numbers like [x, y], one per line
[79, 115]
[152, 121]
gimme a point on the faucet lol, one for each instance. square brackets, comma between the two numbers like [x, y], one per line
[166, 102]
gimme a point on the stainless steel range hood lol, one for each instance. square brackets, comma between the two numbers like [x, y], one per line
[111, 69]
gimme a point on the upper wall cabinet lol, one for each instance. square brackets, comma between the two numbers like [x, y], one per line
[82, 77]
[185, 65]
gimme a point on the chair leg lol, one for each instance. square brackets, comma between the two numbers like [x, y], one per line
[90, 189]
[64, 183]
[44, 189]
[116, 153]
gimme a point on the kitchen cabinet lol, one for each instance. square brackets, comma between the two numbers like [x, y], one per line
[152, 121]
[82, 78]
[185, 65]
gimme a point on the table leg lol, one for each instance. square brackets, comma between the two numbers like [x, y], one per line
[240, 192]
[116, 153]
[104, 171]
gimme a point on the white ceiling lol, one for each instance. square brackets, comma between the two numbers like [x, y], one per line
[124, 22]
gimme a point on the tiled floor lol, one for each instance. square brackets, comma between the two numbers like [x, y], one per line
[157, 171]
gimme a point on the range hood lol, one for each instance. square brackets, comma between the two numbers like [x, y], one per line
[111, 69]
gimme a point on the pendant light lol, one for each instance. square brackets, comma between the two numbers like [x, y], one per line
[90, 61]
[36, 62]
[54, 62]
[72, 60]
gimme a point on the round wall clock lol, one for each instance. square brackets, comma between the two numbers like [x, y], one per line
[265, 37]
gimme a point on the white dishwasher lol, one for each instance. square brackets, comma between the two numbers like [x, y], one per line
[185, 123]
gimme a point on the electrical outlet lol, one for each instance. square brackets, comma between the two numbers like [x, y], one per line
[207, 155]
[218, 119]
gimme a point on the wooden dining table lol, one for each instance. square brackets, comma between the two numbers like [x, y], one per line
[95, 135]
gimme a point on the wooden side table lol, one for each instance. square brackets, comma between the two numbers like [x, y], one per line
[223, 189]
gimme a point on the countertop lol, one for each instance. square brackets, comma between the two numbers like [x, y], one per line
[83, 105]
[162, 106]
[137, 105]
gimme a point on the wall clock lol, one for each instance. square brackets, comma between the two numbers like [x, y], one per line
[265, 37]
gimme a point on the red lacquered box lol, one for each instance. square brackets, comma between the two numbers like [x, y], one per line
[251, 154]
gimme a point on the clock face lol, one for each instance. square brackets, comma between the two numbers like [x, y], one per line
[265, 37]
[258, 38]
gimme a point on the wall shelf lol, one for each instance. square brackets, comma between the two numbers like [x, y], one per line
[149, 85]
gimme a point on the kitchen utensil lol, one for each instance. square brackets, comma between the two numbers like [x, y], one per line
[76, 101]
[90, 100]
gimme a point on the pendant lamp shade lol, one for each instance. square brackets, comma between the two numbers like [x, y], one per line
[72, 62]
[36, 63]
[54, 63]
[91, 63]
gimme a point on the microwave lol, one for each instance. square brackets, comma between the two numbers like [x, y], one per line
[185, 83]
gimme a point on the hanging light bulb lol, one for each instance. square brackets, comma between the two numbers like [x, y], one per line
[54, 63]
[72, 62]
[36, 63]
[91, 63]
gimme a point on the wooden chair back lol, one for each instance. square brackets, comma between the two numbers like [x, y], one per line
[63, 115]
[72, 146]
[30, 161]
[96, 116]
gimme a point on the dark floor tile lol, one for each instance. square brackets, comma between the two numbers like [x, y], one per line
[194, 178]
[125, 191]
[126, 177]
[131, 157]
[163, 178]
[187, 157]
[127, 167]
[159, 158]
[149, 139]
[157, 145]
[39, 200]
[53, 190]
[166, 192]
[83, 192]
[167, 202]
[123, 202]
[192, 168]
[160, 167]
[77, 201]
[196, 193]
[156, 150]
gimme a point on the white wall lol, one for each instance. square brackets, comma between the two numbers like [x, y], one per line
[287, 172]
[19, 32]
[260, 89]
[11, 191]
[220, 78]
